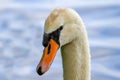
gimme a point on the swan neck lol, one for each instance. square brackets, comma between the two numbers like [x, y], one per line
[76, 59]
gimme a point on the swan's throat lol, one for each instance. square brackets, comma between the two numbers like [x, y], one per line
[76, 60]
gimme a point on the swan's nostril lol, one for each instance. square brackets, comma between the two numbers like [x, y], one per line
[49, 47]
[39, 71]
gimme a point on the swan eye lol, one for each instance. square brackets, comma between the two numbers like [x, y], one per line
[56, 34]
[61, 27]
[53, 35]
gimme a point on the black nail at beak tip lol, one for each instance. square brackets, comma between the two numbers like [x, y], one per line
[39, 71]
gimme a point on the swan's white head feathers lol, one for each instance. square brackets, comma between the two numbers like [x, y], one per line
[67, 18]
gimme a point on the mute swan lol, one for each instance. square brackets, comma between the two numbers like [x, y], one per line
[64, 28]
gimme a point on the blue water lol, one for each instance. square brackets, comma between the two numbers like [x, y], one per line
[21, 30]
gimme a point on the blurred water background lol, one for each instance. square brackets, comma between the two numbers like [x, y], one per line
[21, 30]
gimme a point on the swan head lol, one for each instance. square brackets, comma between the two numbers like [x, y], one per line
[61, 27]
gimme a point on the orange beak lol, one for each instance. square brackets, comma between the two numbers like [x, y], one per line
[47, 57]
